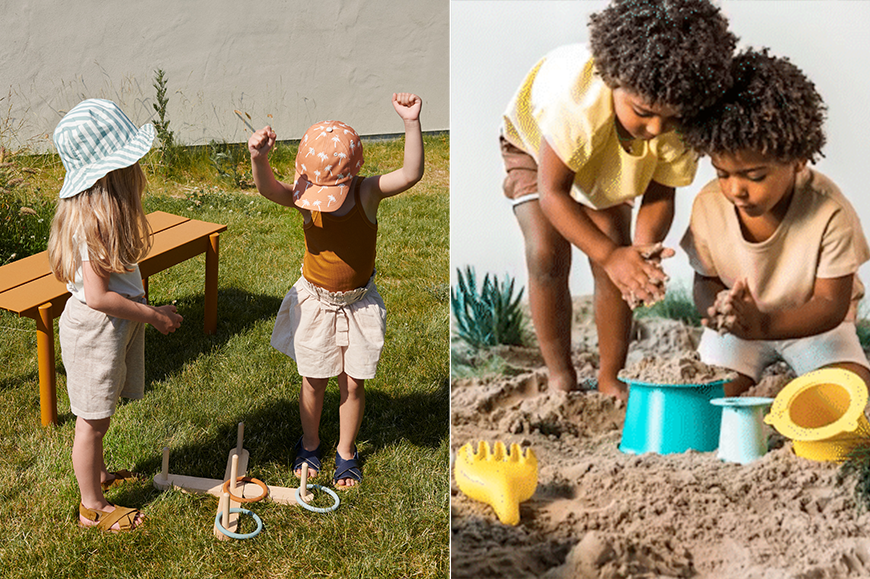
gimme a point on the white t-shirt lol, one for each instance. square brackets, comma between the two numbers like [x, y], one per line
[565, 101]
[128, 284]
[819, 237]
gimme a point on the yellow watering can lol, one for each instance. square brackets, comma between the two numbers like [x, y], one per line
[823, 413]
[498, 478]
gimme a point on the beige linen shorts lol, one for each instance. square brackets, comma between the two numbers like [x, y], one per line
[328, 333]
[104, 359]
[751, 357]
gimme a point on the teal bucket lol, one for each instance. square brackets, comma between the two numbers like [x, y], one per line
[671, 418]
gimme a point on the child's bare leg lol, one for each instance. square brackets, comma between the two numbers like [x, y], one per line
[612, 315]
[89, 466]
[352, 403]
[310, 408]
[548, 260]
[613, 323]
[739, 385]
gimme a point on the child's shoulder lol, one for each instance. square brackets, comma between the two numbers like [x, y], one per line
[822, 194]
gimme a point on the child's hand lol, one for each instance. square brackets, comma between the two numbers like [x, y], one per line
[408, 105]
[639, 280]
[167, 320]
[720, 316]
[261, 142]
[748, 321]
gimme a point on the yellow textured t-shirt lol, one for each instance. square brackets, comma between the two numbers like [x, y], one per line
[565, 101]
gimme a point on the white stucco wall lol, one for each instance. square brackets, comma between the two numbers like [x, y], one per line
[299, 61]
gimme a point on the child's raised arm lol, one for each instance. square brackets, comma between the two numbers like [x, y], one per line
[259, 145]
[408, 107]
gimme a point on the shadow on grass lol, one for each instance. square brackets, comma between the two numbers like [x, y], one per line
[238, 311]
[272, 430]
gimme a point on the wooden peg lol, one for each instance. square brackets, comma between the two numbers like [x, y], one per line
[225, 519]
[164, 469]
[303, 484]
[234, 471]
[240, 437]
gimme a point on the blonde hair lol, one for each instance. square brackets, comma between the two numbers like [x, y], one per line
[109, 218]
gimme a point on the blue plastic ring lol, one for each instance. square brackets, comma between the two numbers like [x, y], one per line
[318, 509]
[217, 523]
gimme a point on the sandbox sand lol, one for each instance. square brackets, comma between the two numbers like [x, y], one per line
[600, 514]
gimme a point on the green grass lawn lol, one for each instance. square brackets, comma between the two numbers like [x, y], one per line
[198, 388]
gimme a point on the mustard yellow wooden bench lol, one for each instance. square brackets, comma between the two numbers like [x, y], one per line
[28, 288]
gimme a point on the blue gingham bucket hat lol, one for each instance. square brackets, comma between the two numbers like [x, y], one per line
[93, 139]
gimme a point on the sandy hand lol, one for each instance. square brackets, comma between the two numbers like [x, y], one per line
[721, 316]
[652, 254]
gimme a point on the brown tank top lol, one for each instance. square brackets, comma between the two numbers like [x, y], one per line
[340, 251]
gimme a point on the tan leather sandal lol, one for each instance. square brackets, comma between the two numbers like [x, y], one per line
[120, 477]
[124, 516]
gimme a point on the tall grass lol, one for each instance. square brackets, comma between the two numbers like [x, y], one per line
[199, 387]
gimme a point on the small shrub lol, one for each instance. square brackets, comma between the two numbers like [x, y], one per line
[857, 467]
[24, 227]
[677, 305]
[167, 147]
[226, 159]
[488, 318]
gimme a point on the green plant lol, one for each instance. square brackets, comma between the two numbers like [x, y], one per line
[491, 317]
[226, 159]
[677, 305]
[857, 466]
[24, 226]
[167, 147]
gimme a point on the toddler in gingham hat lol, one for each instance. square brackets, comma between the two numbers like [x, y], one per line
[98, 235]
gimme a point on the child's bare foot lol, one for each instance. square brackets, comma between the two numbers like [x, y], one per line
[563, 382]
[617, 389]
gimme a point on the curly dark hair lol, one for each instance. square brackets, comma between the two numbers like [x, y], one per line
[673, 52]
[772, 108]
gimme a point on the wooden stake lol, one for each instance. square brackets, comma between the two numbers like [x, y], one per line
[240, 437]
[303, 484]
[164, 470]
[225, 520]
[234, 472]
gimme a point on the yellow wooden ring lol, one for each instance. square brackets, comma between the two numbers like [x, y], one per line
[247, 479]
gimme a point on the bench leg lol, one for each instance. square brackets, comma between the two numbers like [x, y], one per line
[211, 283]
[45, 357]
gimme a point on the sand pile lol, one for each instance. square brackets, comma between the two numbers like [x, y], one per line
[601, 514]
[685, 368]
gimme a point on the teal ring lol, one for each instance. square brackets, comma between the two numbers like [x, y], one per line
[318, 509]
[217, 523]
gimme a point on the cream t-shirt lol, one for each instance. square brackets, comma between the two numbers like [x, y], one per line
[128, 284]
[565, 101]
[819, 237]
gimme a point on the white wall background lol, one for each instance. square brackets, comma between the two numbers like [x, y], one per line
[494, 44]
[299, 61]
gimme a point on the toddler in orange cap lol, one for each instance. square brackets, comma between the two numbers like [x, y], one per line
[332, 321]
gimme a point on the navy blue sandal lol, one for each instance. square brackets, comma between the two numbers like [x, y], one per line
[309, 457]
[347, 468]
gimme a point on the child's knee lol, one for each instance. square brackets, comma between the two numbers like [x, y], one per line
[546, 262]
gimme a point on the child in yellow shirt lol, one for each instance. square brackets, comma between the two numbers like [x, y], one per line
[588, 131]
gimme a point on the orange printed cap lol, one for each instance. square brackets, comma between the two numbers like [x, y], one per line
[330, 156]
